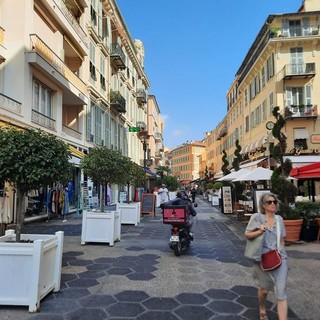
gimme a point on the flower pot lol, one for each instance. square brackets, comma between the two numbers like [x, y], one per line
[100, 227]
[130, 213]
[29, 270]
[293, 229]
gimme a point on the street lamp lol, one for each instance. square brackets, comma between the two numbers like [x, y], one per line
[144, 136]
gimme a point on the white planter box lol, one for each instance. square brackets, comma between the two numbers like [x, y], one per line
[130, 212]
[29, 271]
[100, 227]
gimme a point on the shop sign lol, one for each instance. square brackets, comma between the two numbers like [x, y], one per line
[315, 138]
[300, 151]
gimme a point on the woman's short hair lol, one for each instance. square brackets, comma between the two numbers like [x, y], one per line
[263, 199]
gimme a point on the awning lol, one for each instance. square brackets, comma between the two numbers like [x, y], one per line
[151, 173]
[301, 133]
[185, 182]
[252, 165]
[218, 175]
[311, 171]
[303, 160]
[75, 152]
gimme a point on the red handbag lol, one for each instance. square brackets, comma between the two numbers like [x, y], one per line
[270, 260]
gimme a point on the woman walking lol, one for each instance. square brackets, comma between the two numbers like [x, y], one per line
[260, 223]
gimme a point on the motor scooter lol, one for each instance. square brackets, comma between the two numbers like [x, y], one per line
[177, 216]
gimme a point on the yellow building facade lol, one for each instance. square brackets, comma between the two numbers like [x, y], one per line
[280, 69]
[185, 162]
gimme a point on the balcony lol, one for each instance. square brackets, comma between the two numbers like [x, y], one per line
[301, 111]
[296, 71]
[40, 48]
[69, 11]
[222, 132]
[158, 137]
[72, 132]
[158, 155]
[117, 101]
[10, 104]
[43, 120]
[117, 56]
[141, 96]
[294, 31]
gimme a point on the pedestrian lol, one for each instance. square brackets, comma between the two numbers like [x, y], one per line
[164, 193]
[260, 223]
[193, 194]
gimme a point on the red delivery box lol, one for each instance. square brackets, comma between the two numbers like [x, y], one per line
[175, 214]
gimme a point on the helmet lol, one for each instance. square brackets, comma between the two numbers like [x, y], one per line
[182, 194]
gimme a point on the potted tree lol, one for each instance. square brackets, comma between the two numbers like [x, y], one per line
[130, 211]
[280, 185]
[30, 159]
[104, 166]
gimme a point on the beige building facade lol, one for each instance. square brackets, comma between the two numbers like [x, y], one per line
[281, 69]
[71, 68]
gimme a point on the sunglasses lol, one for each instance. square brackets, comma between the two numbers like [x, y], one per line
[271, 201]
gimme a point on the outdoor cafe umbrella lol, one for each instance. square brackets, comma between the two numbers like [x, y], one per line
[234, 175]
[256, 174]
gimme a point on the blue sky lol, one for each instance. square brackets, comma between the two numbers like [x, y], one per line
[193, 50]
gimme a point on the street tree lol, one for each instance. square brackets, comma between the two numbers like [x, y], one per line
[30, 159]
[106, 166]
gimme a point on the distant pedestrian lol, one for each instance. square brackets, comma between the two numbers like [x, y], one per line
[265, 223]
[164, 193]
[193, 194]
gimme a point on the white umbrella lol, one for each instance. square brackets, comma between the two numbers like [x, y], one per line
[234, 175]
[256, 174]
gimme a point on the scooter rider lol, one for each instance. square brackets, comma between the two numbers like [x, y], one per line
[183, 199]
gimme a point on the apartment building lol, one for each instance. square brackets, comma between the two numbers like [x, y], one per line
[185, 162]
[155, 131]
[281, 69]
[71, 68]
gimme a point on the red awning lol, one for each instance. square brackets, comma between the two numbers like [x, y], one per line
[310, 171]
[185, 181]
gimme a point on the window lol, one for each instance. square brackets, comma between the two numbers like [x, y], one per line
[296, 57]
[98, 131]
[247, 124]
[252, 124]
[258, 115]
[102, 72]
[295, 28]
[92, 61]
[301, 144]
[42, 99]
[270, 67]
[271, 103]
[263, 77]
[264, 109]
[107, 130]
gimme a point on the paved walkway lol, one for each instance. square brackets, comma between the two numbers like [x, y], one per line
[140, 278]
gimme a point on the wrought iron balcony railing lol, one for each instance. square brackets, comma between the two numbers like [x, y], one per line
[117, 55]
[301, 111]
[118, 101]
[301, 70]
[141, 96]
[73, 21]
